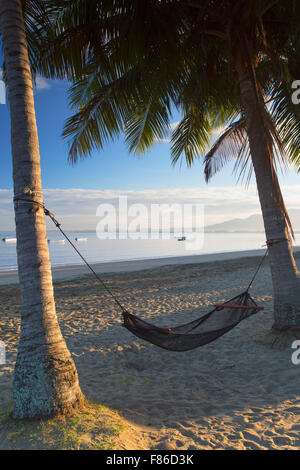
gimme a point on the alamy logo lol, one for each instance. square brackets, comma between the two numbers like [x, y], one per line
[296, 354]
[296, 93]
[2, 92]
[152, 221]
[2, 353]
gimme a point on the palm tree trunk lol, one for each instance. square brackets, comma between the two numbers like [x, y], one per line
[45, 377]
[285, 276]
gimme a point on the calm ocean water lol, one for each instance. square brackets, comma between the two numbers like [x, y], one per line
[101, 251]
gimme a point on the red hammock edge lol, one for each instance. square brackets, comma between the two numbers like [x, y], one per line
[245, 307]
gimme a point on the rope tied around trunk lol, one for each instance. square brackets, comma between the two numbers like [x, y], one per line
[58, 225]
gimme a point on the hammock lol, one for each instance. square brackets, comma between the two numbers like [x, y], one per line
[202, 331]
[191, 335]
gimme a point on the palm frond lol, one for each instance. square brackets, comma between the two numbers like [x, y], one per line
[100, 114]
[149, 123]
[191, 137]
[286, 115]
[231, 145]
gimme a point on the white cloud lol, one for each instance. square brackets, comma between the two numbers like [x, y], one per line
[41, 83]
[163, 141]
[76, 208]
[167, 140]
[173, 125]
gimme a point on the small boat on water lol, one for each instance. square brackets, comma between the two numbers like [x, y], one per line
[60, 242]
[81, 239]
[9, 240]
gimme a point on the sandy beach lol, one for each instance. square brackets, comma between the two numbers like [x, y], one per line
[234, 393]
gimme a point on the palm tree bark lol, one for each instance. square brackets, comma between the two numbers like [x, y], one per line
[285, 276]
[45, 376]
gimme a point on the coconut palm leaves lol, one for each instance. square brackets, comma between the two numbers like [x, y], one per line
[136, 58]
[132, 60]
[231, 144]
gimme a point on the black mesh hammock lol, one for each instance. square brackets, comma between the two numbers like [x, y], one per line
[221, 319]
[196, 333]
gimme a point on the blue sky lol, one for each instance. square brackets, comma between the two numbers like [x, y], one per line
[111, 168]
[114, 171]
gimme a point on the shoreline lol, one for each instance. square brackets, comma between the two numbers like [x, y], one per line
[65, 273]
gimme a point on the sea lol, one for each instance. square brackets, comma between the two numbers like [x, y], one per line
[101, 250]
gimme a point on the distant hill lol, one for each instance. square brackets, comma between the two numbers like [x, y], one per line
[254, 223]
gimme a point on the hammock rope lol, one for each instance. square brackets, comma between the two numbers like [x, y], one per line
[58, 225]
[184, 337]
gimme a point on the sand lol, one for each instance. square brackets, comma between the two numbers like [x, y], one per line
[234, 393]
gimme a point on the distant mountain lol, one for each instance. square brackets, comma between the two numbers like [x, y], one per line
[254, 223]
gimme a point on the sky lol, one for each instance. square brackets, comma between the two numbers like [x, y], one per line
[73, 192]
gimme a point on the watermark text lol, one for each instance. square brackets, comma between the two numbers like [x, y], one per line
[296, 93]
[152, 221]
[2, 92]
[296, 354]
[2, 353]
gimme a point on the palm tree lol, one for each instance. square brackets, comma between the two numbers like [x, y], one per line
[220, 62]
[259, 73]
[45, 377]
[257, 58]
